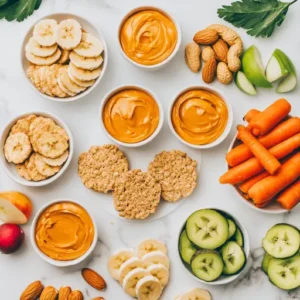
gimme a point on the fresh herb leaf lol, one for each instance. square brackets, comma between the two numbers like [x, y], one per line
[259, 17]
[18, 9]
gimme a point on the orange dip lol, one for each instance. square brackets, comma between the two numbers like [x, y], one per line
[199, 117]
[64, 231]
[131, 116]
[148, 37]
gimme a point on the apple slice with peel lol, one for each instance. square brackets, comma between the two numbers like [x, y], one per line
[244, 84]
[276, 68]
[15, 208]
[253, 68]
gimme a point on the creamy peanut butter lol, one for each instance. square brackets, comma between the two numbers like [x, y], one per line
[131, 115]
[199, 117]
[148, 37]
[64, 231]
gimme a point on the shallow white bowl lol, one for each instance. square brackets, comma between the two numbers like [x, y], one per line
[50, 260]
[222, 137]
[272, 208]
[167, 60]
[10, 168]
[138, 87]
[87, 26]
[222, 279]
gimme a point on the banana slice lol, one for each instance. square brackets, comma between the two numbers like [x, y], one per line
[44, 32]
[156, 257]
[131, 279]
[61, 85]
[23, 172]
[89, 46]
[196, 294]
[33, 172]
[35, 48]
[17, 147]
[80, 82]
[56, 162]
[117, 259]
[148, 288]
[150, 246]
[44, 168]
[65, 54]
[68, 34]
[84, 75]
[160, 272]
[68, 83]
[129, 265]
[43, 61]
[86, 63]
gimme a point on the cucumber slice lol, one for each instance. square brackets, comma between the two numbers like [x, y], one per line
[234, 258]
[285, 273]
[207, 265]
[265, 262]
[238, 237]
[186, 248]
[281, 241]
[232, 228]
[244, 84]
[207, 229]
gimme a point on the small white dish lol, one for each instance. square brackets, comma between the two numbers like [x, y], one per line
[126, 87]
[222, 279]
[50, 260]
[167, 60]
[87, 26]
[10, 168]
[222, 137]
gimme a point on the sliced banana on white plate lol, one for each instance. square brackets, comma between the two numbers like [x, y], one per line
[80, 82]
[68, 83]
[56, 162]
[84, 75]
[89, 46]
[35, 48]
[151, 245]
[87, 63]
[131, 279]
[68, 34]
[117, 259]
[196, 294]
[44, 32]
[129, 265]
[148, 288]
[160, 272]
[65, 54]
[156, 257]
[43, 61]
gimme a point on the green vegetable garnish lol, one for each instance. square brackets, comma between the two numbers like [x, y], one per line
[258, 17]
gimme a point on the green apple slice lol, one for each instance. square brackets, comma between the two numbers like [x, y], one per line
[253, 68]
[244, 84]
[276, 69]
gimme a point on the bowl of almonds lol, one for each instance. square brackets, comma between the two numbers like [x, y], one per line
[63, 57]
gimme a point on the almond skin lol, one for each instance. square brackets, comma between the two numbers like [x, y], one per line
[206, 37]
[93, 279]
[192, 56]
[64, 293]
[32, 291]
[98, 298]
[49, 293]
[75, 295]
[221, 50]
[209, 70]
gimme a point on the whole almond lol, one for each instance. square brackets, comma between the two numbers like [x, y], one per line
[206, 37]
[64, 293]
[75, 295]
[93, 279]
[209, 70]
[192, 56]
[32, 291]
[221, 50]
[49, 293]
[207, 53]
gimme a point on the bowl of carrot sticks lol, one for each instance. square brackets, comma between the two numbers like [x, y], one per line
[264, 159]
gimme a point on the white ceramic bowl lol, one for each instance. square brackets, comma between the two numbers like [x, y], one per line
[87, 26]
[138, 87]
[222, 137]
[50, 260]
[163, 63]
[222, 279]
[10, 168]
[272, 208]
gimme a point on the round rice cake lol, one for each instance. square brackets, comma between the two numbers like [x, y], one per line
[52, 81]
[32, 170]
[176, 172]
[23, 172]
[136, 195]
[23, 124]
[101, 166]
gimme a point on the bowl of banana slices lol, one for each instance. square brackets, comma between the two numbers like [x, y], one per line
[63, 57]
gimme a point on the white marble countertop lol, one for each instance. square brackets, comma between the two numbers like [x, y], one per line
[23, 267]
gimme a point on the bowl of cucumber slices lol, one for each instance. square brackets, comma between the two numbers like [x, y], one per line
[213, 246]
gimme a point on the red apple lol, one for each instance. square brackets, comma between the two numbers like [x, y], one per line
[11, 238]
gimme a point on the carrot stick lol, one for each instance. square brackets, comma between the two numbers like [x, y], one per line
[280, 133]
[262, 123]
[267, 160]
[251, 114]
[252, 166]
[246, 185]
[289, 198]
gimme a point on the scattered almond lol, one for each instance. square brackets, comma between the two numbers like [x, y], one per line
[98, 298]
[32, 291]
[64, 293]
[93, 279]
[192, 56]
[75, 295]
[224, 75]
[208, 53]
[221, 49]
[209, 70]
[49, 293]
[206, 37]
